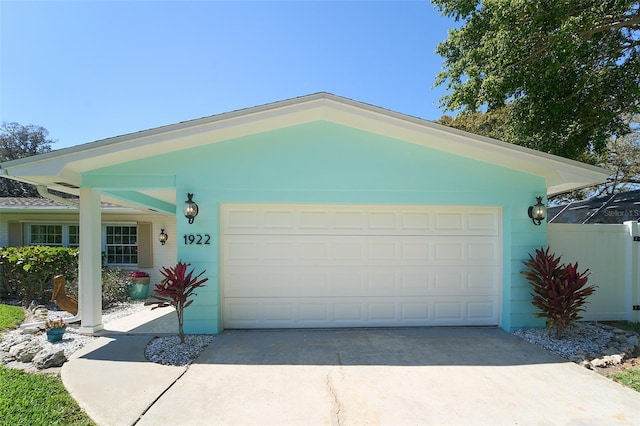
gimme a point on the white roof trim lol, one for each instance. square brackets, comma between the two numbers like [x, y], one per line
[67, 164]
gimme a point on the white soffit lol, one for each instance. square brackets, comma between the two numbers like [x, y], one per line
[561, 174]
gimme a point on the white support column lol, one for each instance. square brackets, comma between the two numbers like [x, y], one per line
[632, 293]
[90, 262]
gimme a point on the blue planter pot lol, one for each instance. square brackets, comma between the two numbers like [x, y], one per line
[55, 334]
[138, 291]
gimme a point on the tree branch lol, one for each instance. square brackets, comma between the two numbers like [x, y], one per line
[627, 21]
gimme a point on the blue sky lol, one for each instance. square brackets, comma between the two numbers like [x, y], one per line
[88, 70]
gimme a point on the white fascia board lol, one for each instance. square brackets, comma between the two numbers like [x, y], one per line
[561, 174]
[72, 161]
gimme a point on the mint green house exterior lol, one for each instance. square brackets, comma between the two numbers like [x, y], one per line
[273, 185]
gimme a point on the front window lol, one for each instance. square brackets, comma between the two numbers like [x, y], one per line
[46, 235]
[121, 244]
[74, 236]
[120, 241]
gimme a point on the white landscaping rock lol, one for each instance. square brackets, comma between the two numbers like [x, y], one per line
[11, 339]
[49, 357]
[25, 351]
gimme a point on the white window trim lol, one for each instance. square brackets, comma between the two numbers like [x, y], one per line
[65, 232]
[104, 243]
[65, 235]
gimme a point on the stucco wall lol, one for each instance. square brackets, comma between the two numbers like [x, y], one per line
[322, 162]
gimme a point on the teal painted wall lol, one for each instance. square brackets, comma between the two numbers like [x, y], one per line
[323, 162]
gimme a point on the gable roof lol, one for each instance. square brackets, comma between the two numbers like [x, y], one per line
[8, 204]
[61, 169]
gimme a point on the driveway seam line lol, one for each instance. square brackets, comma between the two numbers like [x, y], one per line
[160, 396]
[332, 391]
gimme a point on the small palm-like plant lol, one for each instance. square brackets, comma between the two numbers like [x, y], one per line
[175, 289]
[560, 291]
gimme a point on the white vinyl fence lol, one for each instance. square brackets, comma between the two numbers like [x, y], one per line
[611, 253]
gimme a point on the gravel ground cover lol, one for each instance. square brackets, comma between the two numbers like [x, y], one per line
[586, 338]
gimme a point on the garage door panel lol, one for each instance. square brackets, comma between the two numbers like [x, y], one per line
[482, 222]
[350, 266]
[450, 221]
[361, 250]
[280, 221]
[361, 282]
[313, 251]
[381, 311]
[273, 251]
[315, 220]
[416, 222]
[347, 312]
[360, 220]
[257, 283]
[481, 311]
[350, 221]
[341, 312]
[313, 313]
[449, 281]
[484, 280]
[415, 251]
[448, 310]
[347, 251]
[381, 283]
[482, 251]
[414, 313]
[239, 251]
[416, 282]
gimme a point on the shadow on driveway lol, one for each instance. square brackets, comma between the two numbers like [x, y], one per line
[375, 346]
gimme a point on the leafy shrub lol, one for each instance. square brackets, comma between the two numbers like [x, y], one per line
[27, 272]
[559, 290]
[114, 287]
[175, 289]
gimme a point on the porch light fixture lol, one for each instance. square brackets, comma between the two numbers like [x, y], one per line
[163, 237]
[190, 208]
[537, 212]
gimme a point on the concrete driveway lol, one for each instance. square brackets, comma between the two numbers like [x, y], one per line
[412, 376]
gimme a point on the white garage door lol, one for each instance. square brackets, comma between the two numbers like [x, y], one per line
[297, 266]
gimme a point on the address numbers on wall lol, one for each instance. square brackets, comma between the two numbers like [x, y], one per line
[197, 239]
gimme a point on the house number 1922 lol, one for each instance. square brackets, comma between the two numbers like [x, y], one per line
[198, 239]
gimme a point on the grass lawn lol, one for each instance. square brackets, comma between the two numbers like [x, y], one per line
[631, 376]
[34, 399]
[37, 399]
[10, 317]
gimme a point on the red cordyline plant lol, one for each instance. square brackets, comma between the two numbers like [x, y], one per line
[175, 289]
[560, 291]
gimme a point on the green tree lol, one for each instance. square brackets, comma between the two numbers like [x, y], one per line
[622, 157]
[18, 141]
[569, 70]
[492, 124]
[621, 154]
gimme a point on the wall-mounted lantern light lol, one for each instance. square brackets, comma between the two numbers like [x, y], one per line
[163, 237]
[538, 211]
[190, 208]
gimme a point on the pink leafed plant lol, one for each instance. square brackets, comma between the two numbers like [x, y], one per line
[137, 274]
[560, 291]
[175, 289]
